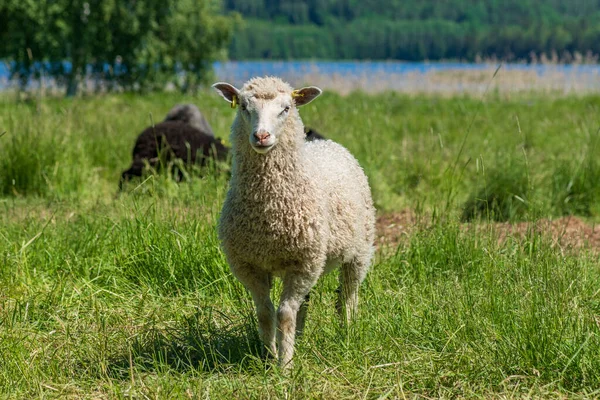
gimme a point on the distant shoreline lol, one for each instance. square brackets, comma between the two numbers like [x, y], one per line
[400, 76]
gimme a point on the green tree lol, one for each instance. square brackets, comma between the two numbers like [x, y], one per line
[416, 29]
[135, 44]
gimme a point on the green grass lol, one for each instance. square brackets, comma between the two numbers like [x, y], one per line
[106, 296]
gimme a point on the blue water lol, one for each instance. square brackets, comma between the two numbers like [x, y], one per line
[3, 71]
[395, 67]
[242, 70]
[411, 77]
[238, 72]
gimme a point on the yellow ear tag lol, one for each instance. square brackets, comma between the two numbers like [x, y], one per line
[296, 93]
[234, 102]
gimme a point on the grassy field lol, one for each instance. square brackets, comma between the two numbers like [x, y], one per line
[106, 296]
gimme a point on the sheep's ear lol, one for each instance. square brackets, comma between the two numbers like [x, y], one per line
[305, 95]
[228, 92]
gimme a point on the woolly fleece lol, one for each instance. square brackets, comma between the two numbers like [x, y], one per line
[294, 212]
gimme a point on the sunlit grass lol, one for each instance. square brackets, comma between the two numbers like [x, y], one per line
[118, 296]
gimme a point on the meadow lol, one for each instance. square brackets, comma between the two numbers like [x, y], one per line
[107, 295]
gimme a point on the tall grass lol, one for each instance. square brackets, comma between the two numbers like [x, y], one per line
[575, 187]
[38, 155]
[120, 296]
[119, 300]
[406, 144]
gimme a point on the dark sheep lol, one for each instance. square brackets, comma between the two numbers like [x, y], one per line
[167, 141]
[311, 134]
[184, 134]
[191, 115]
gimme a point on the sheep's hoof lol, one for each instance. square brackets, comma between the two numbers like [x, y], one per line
[269, 359]
[269, 364]
[286, 368]
[268, 354]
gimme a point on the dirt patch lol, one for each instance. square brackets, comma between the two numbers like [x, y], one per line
[565, 233]
[393, 228]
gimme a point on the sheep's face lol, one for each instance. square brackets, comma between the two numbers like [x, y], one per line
[265, 118]
[265, 105]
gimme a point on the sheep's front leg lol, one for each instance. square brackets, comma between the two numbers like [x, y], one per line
[296, 287]
[259, 284]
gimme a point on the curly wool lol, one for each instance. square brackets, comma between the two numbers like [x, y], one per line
[302, 204]
[296, 211]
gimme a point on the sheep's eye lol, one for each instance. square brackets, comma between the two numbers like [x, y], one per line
[286, 109]
[243, 106]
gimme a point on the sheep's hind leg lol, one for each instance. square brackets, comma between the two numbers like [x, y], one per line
[295, 289]
[259, 285]
[351, 276]
[301, 317]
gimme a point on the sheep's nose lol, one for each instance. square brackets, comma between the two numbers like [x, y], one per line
[261, 136]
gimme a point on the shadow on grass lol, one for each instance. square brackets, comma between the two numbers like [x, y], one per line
[206, 341]
[504, 195]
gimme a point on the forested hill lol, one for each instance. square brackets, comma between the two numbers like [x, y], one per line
[415, 29]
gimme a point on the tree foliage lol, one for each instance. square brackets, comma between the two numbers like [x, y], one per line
[131, 44]
[415, 29]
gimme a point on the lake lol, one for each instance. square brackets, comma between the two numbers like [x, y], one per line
[411, 77]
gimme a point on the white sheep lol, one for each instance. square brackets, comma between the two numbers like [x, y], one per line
[294, 209]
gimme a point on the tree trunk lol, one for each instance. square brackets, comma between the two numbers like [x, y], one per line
[72, 84]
